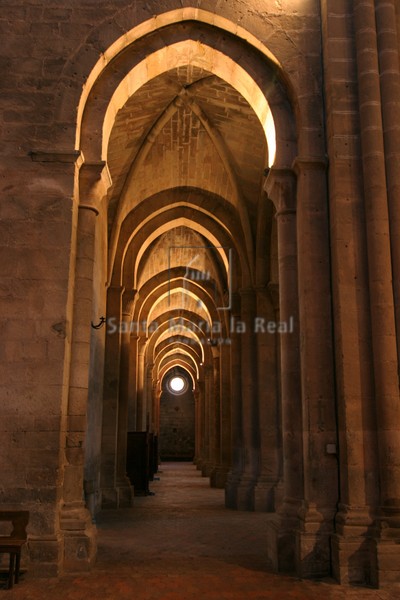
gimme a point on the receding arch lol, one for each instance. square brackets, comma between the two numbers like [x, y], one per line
[205, 57]
[161, 284]
[170, 293]
[186, 366]
[266, 73]
[211, 209]
[153, 24]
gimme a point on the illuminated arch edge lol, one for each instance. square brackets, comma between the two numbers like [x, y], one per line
[200, 55]
[153, 24]
[168, 367]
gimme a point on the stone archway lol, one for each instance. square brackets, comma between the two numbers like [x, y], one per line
[150, 95]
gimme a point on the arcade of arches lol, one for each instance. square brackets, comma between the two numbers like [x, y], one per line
[218, 182]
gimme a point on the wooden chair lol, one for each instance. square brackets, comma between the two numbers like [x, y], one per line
[12, 544]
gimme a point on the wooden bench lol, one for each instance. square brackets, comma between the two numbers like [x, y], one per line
[12, 544]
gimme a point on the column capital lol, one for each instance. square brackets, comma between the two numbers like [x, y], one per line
[94, 182]
[309, 163]
[89, 206]
[55, 156]
[128, 300]
[280, 187]
[116, 289]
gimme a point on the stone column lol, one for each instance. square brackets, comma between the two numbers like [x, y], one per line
[389, 76]
[156, 403]
[384, 347]
[224, 417]
[250, 424]
[267, 386]
[149, 398]
[208, 410]
[111, 399]
[215, 419]
[125, 491]
[141, 399]
[233, 479]
[75, 520]
[357, 456]
[197, 434]
[317, 370]
[202, 422]
[132, 390]
[281, 189]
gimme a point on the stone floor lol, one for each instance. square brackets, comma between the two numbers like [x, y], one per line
[183, 544]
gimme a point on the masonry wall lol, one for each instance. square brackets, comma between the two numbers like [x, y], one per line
[47, 52]
[177, 426]
[48, 49]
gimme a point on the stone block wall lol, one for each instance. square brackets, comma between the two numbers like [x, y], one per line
[177, 426]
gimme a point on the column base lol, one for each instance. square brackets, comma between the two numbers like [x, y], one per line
[265, 495]
[125, 493]
[109, 498]
[79, 539]
[197, 462]
[313, 554]
[219, 477]
[294, 543]
[232, 482]
[387, 566]
[281, 545]
[313, 541]
[245, 493]
[387, 563]
[353, 555]
[119, 497]
[353, 560]
[207, 469]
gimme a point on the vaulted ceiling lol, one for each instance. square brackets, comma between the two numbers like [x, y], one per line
[185, 130]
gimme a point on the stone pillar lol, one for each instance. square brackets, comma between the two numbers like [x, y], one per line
[317, 370]
[125, 491]
[208, 410]
[384, 347]
[156, 404]
[141, 399]
[267, 387]
[281, 189]
[75, 519]
[202, 422]
[215, 419]
[110, 400]
[197, 434]
[357, 457]
[132, 390]
[250, 424]
[149, 397]
[389, 75]
[224, 417]
[233, 479]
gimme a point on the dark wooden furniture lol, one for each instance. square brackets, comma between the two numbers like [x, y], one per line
[137, 462]
[12, 544]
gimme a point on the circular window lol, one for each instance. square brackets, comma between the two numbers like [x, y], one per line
[177, 384]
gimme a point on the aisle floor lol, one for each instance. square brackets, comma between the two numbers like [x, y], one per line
[183, 544]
